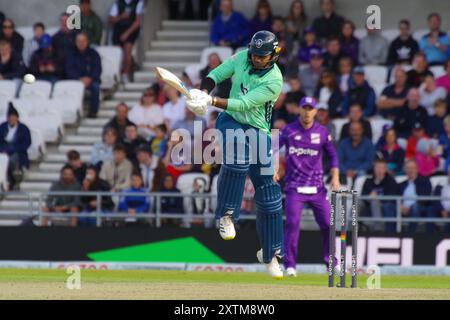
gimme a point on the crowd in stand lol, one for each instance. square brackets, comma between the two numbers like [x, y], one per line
[321, 57]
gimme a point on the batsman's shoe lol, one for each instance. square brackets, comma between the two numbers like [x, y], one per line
[226, 227]
[291, 272]
[273, 268]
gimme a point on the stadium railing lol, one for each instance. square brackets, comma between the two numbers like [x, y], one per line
[36, 202]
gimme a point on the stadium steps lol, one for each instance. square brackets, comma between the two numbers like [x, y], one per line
[177, 44]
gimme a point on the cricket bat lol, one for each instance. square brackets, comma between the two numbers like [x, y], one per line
[172, 80]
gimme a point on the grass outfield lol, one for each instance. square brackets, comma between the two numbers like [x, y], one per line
[146, 284]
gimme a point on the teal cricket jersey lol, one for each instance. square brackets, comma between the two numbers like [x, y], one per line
[252, 96]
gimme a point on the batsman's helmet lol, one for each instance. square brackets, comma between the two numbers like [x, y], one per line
[264, 43]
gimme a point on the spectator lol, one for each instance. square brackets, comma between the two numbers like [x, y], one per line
[444, 142]
[12, 36]
[189, 122]
[230, 28]
[419, 71]
[179, 162]
[159, 142]
[91, 24]
[329, 24]
[444, 80]
[103, 151]
[223, 88]
[15, 139]
[403, 48]
[349, 43]
[126, 18]
[442, 208]
[307, 46]
[85, 64]
[356, 115]
[117, 172]
[44, 64]
[435, 124]
[426, 157]
[345, 74]
[11, 64]
[288, 102]
[416, 185]
[151, 167]
[64, 40]
[79, 167]
[132, 142]
[171, 204]
[2, 18]
[328, 94]
[410, 114]
[373, 48]
[381, 184]
[430, 93]
[393, 97]
[418, 132]
[333, 54]
[68, 203]
[309, 76]
[323, 117]
[92, 183]
[174, 109]
[360, 92]
[297, 20]
[147, 114]
[435, 43]
[137, 203]
[262, 20]
[120, 121]
[392, 153]
[356, 153]
[32, 45]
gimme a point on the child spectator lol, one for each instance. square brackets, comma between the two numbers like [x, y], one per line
[435, 124]
[44, 64]
[31, 45]
[159, 142]
[137, 203]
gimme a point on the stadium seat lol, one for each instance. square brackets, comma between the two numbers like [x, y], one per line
[437, 71]
[439, 181]
[338, 124]
[418, 34]
[4, 159]
[377, 127]
[390, 34]
[39, 88]
[38, 147]
[25, 32]
[400, 179]
[51, 30]
[223, 52]
[36, 114]
[111, 65]
[376, 74]
[392, 75]
[194, 69]
[360, 33]
[378, 87]
[8, 89]
[68, 97]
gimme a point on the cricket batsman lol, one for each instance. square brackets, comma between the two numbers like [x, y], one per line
[256, 86]
[306, 141]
